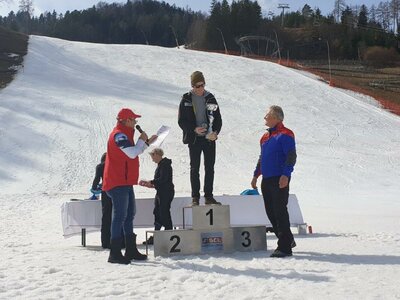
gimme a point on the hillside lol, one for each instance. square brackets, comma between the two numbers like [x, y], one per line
[13, 47]
[56, 116]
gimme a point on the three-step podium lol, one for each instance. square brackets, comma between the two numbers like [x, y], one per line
[210, 233]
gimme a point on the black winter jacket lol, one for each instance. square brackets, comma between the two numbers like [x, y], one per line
[163, 177]
[98, 176]
[187, 117]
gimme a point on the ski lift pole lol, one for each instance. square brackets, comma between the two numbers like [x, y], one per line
[279, 50]
[176, 39]
[223, 40]
[329, 65]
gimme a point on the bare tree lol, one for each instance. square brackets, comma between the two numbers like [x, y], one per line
[26, 6]
[339, 7]
[383, 14]
[395, 11]
[372, 14]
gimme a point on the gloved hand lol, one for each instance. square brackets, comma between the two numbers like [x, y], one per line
[94, 197]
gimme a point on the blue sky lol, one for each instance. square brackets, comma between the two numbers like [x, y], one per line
[61, 6]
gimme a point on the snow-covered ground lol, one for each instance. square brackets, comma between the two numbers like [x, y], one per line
[55, 119]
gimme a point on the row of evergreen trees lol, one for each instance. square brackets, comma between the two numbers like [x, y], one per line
[302, 34]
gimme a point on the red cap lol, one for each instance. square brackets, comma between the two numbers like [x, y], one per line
[127, 113]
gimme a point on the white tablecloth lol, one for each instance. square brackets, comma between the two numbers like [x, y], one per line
[244, 211]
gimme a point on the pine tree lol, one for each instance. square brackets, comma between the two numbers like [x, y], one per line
[307, 11]
[363, 16]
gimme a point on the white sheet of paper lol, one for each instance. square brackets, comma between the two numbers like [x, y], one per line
[162, 133]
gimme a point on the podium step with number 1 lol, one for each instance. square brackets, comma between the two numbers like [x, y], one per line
[210, 233]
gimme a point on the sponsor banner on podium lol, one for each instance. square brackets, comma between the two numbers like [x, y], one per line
[212, 242]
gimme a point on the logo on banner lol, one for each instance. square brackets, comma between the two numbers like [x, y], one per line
[212, 242]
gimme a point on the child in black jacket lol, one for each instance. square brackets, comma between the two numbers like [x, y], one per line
[164, 186]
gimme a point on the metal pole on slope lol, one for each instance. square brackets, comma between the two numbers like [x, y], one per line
[176, 39]
[279, 50]
[145, 38]
[223, 40]
[329, 65]
[287, 59]
[266, 49]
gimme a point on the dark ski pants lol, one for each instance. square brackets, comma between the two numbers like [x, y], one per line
[208, 148]
[275, 201]
[162, 214]
[106, 207]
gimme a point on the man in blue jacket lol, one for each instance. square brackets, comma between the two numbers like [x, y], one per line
[276, 162]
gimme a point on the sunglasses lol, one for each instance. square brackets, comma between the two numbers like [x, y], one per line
[197, 86]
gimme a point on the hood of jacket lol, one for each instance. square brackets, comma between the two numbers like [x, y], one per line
[165, 162]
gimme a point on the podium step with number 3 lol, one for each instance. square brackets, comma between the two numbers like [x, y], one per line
[210, 233]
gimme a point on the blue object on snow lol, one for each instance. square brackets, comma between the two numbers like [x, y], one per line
[96, 192]
[250, 192]
[94, 197]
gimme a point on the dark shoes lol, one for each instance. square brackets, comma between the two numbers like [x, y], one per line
[208, 201]
[269, 229]
[195, 201]
[150, 241]
[116, 256]
[131, 251]
[212, 201]
[280, 254]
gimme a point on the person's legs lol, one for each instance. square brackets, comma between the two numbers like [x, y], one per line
[276, 207]
[106, 207]
[285, 236]
[130, 212]
[165, 213]
[131, 251]
[209, 162]
[157, 220]
[195, 155]
[120, 201]
[157, 214]
[268, 203]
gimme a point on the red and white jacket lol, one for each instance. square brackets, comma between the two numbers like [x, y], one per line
[122, 161]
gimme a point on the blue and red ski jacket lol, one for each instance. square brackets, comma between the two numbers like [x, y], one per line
[278, 152]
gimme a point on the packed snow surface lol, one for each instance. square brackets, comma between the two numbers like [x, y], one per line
[55, 119]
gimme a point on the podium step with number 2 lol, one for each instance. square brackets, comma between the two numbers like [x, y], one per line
[210, 233]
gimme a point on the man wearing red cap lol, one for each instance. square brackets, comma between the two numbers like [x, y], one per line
[121, 172]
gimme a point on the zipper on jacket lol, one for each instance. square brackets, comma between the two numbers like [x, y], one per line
[126, 170]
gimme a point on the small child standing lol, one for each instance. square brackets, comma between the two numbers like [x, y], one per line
[164, 186]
